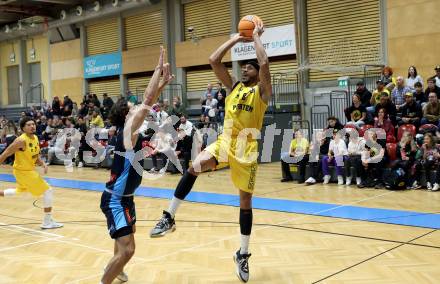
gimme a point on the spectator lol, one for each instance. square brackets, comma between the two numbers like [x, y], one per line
[160, 115]
[220, 90]
[68, 102]
[318, 149]
[56, 106]
[66, 111]
[107, 102]
[209, 106]
[382, 121]
[428, 160]
[431, 112]
[419, 94]
[8, 135]
[337, 154]
[356, 145]
[411, 112]
[163, 143]
[44, 106]
[413, 78]
[373, 159]
[406, 154]
[432, 88]
[41, 126]
[83, 109]
[165, 104]
[96, 119]
[184, 145]
[398, 93]
[364, 93]
[81, 126]
[298, 152]
[375, 98]
[96, 101]
[111, 139]
[333, 123]
[221, 107]
[177, 109]
[75, 110]
[209, 91]
[437, 76]
[357, 113]
[390, 108]
[387, 78]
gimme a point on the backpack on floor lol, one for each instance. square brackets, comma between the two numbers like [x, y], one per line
[395, 179]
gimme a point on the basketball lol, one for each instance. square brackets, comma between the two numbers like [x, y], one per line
[247, 24]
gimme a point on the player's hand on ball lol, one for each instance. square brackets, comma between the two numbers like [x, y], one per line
[259, 28]
[240, 38]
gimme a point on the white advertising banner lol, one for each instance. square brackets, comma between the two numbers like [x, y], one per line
[276, 41]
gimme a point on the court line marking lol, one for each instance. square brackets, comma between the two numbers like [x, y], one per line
[38, 233]
[27, 244]
[231, 237]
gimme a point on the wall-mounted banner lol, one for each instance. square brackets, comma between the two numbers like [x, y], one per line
[103, 65]
[276, 41]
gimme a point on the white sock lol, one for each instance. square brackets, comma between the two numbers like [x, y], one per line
[174, 205]
[244, 244]
[9, 192]
[47, 217]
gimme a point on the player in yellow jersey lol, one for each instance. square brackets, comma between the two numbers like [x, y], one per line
[27, 154]
[237, 146]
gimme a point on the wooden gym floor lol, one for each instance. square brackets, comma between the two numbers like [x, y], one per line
[286, 247]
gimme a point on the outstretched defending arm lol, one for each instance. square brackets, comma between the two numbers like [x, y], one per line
[219, 68]
[263, 61]
[14, 147]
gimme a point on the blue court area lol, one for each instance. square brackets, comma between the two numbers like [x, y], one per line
[388, 216]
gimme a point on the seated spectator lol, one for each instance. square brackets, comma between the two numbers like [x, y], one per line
[209, 106]
[375, 98]
[373, 159]
[437, 76]
[184, 145]
[41, 126]
[388, 79]
[44, 106]
[160, 115]
[431, 112]
[356, 145]
[382, 121]
[221, 107]
[390, 108]
[67, 102]
[318, 149]
[298, 154]
[413, 78]
[337, 154]
[75, 109]
[357, 113]
[429, 155]
[163, 144]
[209, 91]
[432, 88]
[411, 112]
[96, 120]
[56, 106]
[178, 108]
[364, 93]
[83, 110]
[81, 126]
[406, 156]
[333, 123]
[419, 95]
[398, 93]
[107, 104]
[66, 111]
[219, 90]
[111, 140]
[96, 101]
[8, 135]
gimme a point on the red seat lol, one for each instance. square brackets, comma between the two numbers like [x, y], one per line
[406, 127]
[363, 129]
[391, 139]
[392, 151]
[428, 128]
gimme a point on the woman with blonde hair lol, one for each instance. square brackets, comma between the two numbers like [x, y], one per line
[406, 153]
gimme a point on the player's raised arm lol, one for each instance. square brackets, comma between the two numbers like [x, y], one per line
[219, 68]
[264, 74]
[14, 147]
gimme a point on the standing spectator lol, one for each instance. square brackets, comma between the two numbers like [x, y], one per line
[364, 93]
[390, 108]
[357, 113]
[56, 106]
[413, 78]
[431, 112]
[356, 145]
[337, 153]
[429, 161]
[419, 95]
[221, 107]
[411, 112]
[298, 151]
[96, 119]
[210, 104]
[387, 78]
[432, 88]
[398, 93]
[437, 75]
[382, 121]
[220, 90]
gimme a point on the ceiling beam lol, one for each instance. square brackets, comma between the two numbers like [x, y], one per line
[62, 2]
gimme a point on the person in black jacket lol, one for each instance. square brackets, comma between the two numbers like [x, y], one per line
[411, 112]
[318, 149]
[388, 105]
[364, 93]
[432, 88]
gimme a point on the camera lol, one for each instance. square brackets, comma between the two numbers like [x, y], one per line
[190, 29]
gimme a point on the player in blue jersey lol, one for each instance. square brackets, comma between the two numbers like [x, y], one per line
[117, 199]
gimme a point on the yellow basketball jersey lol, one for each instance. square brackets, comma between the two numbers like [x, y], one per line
[244, 108]
[26, 158]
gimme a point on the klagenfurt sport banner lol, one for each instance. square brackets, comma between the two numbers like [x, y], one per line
[276, 41]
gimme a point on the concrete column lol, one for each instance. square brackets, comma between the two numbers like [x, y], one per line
[48, 88]
[122, 46]
[302, 53]
[235, 19]
[23, 73]
[383, 32]
[84, 52]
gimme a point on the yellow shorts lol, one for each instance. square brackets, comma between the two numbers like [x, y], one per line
[30, 181]
[241, 156]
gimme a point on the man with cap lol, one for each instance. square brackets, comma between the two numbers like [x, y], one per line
[411, 111]
[437, 75]
[375, 98]
[364, 93]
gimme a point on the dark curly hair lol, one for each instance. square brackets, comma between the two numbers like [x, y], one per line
[119, 112]
[25, 120]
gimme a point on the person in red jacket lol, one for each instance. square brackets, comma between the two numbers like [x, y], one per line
[382, 121]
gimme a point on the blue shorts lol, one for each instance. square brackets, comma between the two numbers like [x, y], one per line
[120, 214]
